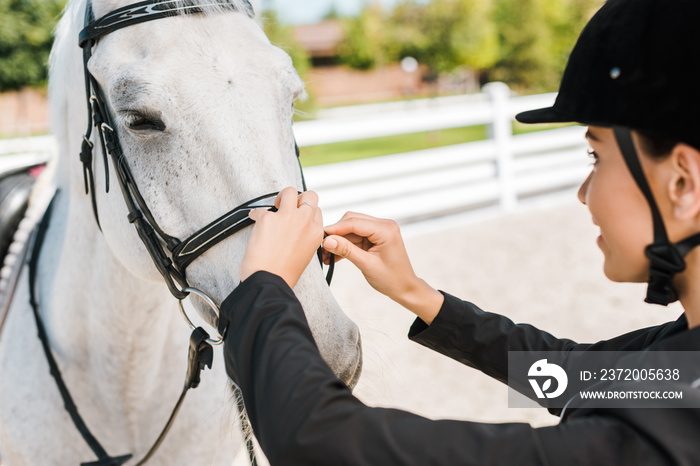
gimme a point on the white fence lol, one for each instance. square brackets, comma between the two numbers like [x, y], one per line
[20, 152]
[499, 172]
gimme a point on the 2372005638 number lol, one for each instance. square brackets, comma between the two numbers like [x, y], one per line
[639, 374]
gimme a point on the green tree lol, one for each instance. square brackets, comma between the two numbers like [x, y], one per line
[535, 38]
[332, 13]
[26, 28]
[445, 34]
[282, 36]
[365, 42]
[525, 43]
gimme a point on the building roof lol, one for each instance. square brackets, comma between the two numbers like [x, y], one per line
[320, 39]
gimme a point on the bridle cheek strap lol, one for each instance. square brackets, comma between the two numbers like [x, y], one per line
[172, 265]
[666, 259]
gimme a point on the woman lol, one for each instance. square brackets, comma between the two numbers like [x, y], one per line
[631, 80]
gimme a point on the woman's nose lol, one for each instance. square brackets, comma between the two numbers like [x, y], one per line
[583, 189]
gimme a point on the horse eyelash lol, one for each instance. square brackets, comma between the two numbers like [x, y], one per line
[127, 119]
[121, 119]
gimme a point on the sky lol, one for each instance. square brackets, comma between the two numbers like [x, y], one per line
[310, 11]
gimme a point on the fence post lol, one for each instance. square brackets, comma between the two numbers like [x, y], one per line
[502, 134]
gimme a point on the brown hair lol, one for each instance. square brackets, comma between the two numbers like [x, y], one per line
[656, 146]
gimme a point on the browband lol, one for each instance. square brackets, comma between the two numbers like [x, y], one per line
[149, 10]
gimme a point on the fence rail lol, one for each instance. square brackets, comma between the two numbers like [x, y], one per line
[20, 152]
[447, 180]
[499, 172]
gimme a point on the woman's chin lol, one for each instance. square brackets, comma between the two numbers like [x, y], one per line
[617, 275]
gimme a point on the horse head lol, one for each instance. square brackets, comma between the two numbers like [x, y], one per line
[202, 106]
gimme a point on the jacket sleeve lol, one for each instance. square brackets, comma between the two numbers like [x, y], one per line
[482, 339]
[302, 414]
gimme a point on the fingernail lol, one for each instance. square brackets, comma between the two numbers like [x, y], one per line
[330, 243]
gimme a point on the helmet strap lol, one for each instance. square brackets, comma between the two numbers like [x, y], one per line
[666, 259]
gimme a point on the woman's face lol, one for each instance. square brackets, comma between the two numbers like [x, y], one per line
[618, 207]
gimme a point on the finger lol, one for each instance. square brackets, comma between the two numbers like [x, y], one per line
[308, 208]
[348, 216]
[308, 197]
[256, 214]
[326, 257]
[286, 199]
[351, 214]
[370, 228]
[318, 219]
[341, 247]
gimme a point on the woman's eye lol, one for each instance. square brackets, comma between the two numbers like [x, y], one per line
[142, 122]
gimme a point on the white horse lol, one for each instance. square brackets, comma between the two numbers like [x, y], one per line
[203, 105]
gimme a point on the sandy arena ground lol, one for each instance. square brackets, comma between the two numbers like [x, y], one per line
[541, 267]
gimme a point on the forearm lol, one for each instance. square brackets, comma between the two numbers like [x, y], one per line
[481, 339]
[302, 414]
[422, 300]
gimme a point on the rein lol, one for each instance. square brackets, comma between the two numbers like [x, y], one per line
[170, 255]
[200, 356]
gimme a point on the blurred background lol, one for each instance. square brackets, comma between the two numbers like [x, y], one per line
[348, 51]
[406, 77]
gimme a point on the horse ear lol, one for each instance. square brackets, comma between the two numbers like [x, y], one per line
[250, 6]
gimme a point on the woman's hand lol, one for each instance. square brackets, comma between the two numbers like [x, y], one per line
[376, 247]
[284, 242]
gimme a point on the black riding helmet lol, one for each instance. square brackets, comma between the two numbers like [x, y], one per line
[635, 66]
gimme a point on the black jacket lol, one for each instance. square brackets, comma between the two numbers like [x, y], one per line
[302, 414]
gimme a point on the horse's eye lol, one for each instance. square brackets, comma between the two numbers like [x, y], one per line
[137, 121]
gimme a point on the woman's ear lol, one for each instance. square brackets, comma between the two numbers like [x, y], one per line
[684, 185]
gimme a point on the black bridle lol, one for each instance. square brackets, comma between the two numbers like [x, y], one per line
[170, 255]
